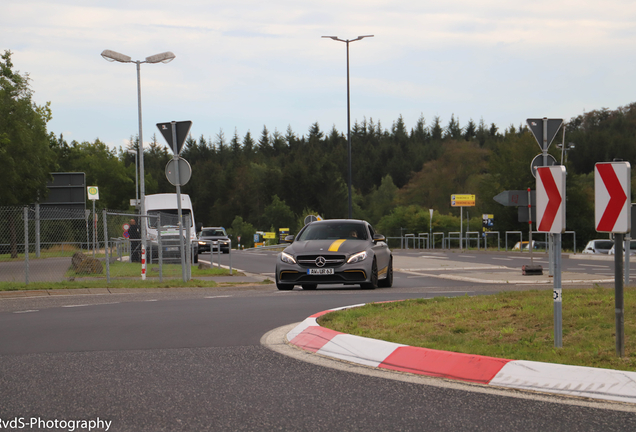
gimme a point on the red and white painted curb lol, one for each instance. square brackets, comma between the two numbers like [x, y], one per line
[580, 381]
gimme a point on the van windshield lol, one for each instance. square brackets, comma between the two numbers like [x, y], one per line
[167, 217]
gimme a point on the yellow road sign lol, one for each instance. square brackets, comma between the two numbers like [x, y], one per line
[269, 235]
[462, 200]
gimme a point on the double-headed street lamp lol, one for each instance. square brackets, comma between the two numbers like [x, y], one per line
[346, 41]
[165, 57]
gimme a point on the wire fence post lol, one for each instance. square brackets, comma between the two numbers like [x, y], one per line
[26, 245]
[159, 249]
[37, 230]
[106, 246]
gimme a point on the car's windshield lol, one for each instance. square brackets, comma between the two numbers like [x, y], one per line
[604, 244]
[169, 217]
[334, 231]
[213, 233]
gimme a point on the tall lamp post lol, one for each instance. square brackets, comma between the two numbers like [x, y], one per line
[165, 57]
[346, 41]
[134, 152]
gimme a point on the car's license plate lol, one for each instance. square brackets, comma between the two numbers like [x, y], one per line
[320, 271]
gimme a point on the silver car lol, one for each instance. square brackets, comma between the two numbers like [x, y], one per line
[337, 251]
[599, 246]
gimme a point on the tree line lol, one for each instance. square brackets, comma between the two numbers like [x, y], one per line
[274, 179]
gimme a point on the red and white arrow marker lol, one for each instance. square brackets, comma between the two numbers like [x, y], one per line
[551, 199]
[612, 196]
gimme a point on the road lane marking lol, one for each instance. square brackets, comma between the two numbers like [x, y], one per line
[503, 259]
[224, 296]
[26, 311]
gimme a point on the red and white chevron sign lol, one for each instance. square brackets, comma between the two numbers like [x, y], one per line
[612, 197]
[551, 199]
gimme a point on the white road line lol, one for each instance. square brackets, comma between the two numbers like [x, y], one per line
[225, 296]
[433, 256]
[503, 259]
[592, 265]
[95, 304]
[26, 311]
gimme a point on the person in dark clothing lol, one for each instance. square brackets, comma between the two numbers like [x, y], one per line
[135, 241]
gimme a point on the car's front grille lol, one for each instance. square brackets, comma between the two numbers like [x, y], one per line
[330, 260]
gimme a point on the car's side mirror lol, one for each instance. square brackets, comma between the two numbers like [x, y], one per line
[378, 238]
[289, 239]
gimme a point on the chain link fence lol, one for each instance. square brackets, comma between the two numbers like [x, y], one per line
[52, 244]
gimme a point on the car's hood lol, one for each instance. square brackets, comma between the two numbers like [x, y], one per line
[345, 247]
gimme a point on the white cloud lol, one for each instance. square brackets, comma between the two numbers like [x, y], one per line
[246, 63]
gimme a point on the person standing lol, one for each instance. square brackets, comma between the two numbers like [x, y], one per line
[134, 234]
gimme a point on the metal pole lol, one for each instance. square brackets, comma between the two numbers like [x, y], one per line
[558, 294]
[627, 242]
[349, 134]
[551, 253]
[87, 213]
[94, 226]
[37, 230]
[142, 188]
[188, 249]
[160, 248]
[229, 252]
[461, 228]
[618, 296]
[137, 181]
[179, 213]
[430, 226]
[106, 246]
[544, 148]
[26, 245]
[529, 227]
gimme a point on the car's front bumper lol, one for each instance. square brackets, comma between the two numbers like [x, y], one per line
[299, 277]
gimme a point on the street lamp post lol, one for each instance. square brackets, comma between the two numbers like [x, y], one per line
[346, 41]
[165, 57]
[133, 152]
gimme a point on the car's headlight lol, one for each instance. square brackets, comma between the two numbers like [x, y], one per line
[287, 258]
[361, 256]
[202, 243]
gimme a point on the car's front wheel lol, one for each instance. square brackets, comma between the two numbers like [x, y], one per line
[388, 281]
[373, 284]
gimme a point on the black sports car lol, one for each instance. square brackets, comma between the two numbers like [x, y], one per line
[339, 251]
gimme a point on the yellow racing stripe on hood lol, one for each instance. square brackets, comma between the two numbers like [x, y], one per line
[336, 245]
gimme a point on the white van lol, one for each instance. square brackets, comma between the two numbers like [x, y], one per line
[166, 206]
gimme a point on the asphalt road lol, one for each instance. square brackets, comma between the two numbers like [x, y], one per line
[195, 361]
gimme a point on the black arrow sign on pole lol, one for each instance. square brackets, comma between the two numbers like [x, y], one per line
[536, 127]
[183, 129]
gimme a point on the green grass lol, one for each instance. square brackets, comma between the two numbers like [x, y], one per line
[56, 251]
[114, 283]
[128, 269]
[512, 325]
[128, 275]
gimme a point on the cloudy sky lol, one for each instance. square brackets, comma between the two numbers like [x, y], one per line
[243, 64]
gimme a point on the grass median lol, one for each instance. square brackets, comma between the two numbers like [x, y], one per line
[128, 275]
[512, 325]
